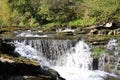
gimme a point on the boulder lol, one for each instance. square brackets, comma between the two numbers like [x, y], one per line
[55, 75]
[112, 78]
[7, 47]
[38, 77]
[109, 24]
[17, 66]
[95, 63]
[14, 68]
[118, 31]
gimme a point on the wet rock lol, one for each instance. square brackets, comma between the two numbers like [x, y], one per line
[98, 42]
[95, 63]
[3, 31]
[7, 47]
[112, 78]
[14, 68]
[16, 78]
[17, 66]
[8, 40]
[117, 31]
[32, 77]
[109, 24]
[110, 28]
[39, 77]
[65, 33]
[111, 63]
[55, 75]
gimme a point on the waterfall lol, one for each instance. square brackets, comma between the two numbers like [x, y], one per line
[49, 50]
[72, 60]
[26, 50]
[80, 56]
[111, 58]
[78, 64]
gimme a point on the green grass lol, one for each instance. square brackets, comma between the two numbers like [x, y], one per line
[80, 22]
[91, 21]
[77, 22]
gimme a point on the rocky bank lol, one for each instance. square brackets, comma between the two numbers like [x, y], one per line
[14, 67]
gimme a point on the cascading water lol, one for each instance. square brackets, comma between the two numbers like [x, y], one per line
[29, 52]
[80, 56]
[72, 62]
[78, 64]
[26, 34]
[112, 57]
[49, 50]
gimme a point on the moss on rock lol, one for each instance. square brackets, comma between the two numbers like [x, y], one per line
[19, 60]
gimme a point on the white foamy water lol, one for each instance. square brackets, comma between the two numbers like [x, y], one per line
[80, 57]
[78, 65]
[26, 50]
[112, 44]
[29, 52]
[70, 73]
[28, 33]
[75, 64]
[66, 30]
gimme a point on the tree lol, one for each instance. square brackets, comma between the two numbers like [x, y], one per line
[28, 12]
[5, 13]
[103, 10]
[62, 10]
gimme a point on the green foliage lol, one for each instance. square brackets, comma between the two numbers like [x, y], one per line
[0, 21]
[5, 12]
[21, 24]
[76, 23]
[32, 22]
[44, 10]
[118, 45]
[90, 21]
[66, 12]
[98, 50]
[62, 10]
[103, 10]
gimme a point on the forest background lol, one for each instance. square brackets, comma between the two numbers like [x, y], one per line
[58, 12]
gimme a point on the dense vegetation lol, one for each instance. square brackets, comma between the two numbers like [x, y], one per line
[58, 12]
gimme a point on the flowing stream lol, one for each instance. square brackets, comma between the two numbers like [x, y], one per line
[71, 59]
